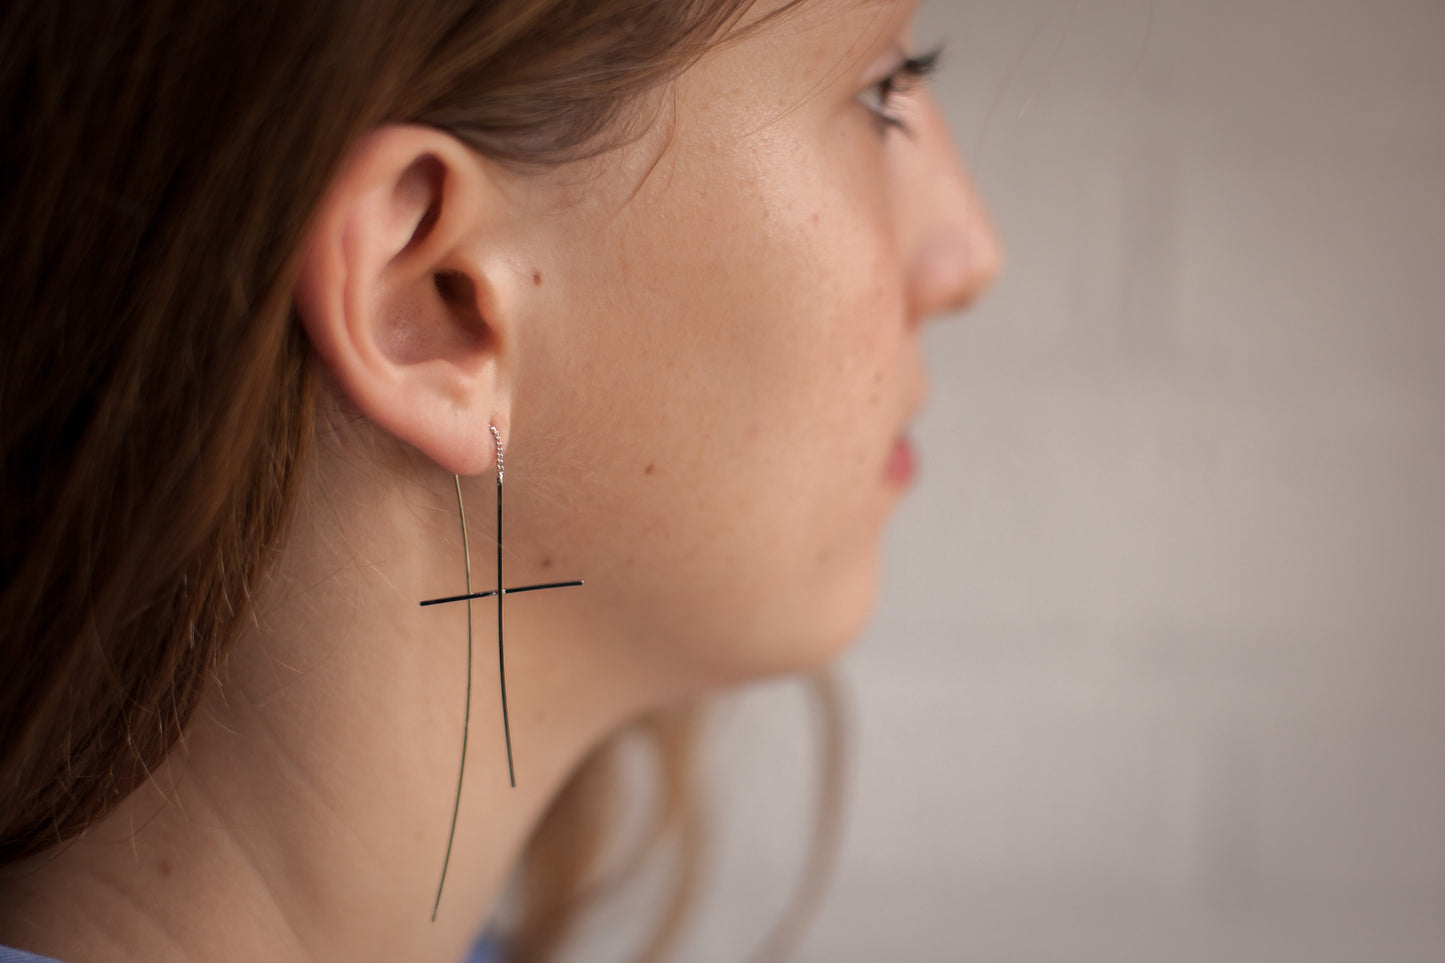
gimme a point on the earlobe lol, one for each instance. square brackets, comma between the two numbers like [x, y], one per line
[396, 298]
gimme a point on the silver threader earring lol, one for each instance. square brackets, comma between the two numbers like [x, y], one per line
[500, 593]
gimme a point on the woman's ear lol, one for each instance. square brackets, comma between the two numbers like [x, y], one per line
[398, 293]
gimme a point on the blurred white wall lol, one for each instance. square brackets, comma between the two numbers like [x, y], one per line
[1159, 671]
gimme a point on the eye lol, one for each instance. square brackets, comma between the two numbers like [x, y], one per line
[880, 97]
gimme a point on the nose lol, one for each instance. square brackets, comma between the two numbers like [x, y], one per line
[954, 253]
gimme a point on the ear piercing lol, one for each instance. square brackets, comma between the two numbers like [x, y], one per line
[500, 594]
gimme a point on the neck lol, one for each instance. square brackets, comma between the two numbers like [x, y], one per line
[306, 817]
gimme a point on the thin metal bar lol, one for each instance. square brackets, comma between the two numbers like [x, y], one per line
[467, 715]
[511, 591]
[501, 660]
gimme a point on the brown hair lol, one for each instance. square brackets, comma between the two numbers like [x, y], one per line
[160, 163]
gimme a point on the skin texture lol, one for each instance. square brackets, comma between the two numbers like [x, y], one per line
[701, 350]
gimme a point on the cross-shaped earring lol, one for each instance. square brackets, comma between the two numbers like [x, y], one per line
[499, 593]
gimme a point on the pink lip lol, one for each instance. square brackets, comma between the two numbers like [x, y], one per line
[902, 462]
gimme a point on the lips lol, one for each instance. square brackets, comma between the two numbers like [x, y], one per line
[902, 465]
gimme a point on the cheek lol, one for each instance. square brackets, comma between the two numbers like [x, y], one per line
[793, 258]
[823, 303]
[745, 377]
[750, 296]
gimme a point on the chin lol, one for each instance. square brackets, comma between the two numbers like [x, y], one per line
[820, 630]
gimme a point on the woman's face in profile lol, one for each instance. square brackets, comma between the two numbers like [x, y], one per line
[724, 351]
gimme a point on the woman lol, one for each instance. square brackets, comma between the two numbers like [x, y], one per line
[285, 284]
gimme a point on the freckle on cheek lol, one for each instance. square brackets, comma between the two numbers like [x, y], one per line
[649, 469]
[166, 868]
[537, 278]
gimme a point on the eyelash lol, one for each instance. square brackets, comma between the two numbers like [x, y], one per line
[905, 77]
